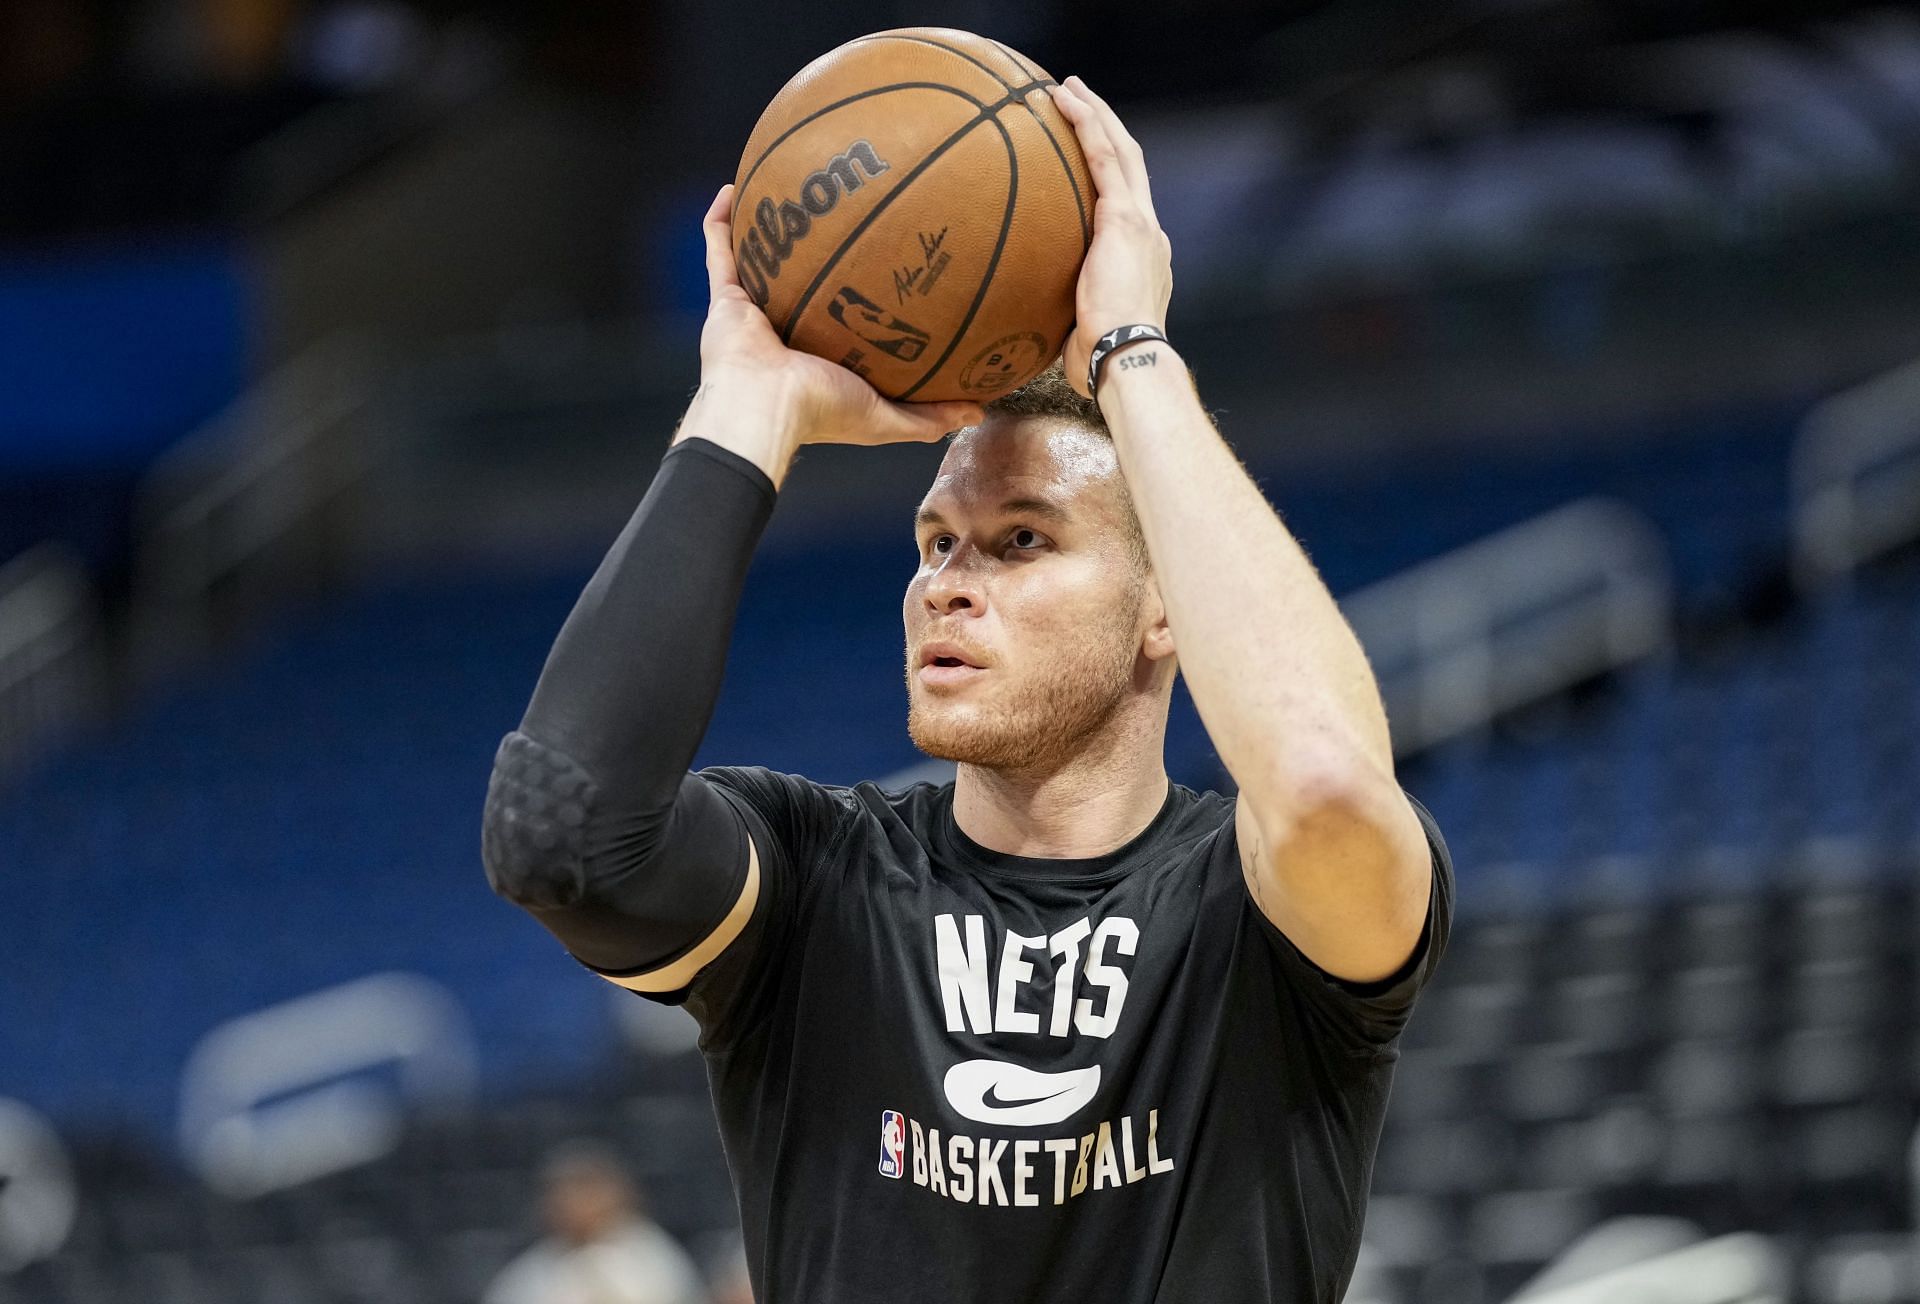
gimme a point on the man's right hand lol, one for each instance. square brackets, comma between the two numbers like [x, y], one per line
[763, 400]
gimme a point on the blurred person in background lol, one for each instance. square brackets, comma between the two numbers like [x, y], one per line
[600, 1248]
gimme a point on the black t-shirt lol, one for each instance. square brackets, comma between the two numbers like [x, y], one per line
[948, 1074]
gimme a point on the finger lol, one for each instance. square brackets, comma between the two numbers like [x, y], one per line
[717, 226]
[1103, 156]
[1133, 159]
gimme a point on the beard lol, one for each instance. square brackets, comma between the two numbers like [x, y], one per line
[1038, 722]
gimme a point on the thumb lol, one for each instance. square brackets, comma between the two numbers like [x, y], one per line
[954, 415]
[1074, 361]
[930, 421]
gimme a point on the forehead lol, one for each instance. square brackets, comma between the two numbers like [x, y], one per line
[1038, 458]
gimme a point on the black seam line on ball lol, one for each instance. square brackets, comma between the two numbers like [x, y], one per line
[1079, 201]
[993, 264]
[1020, 61]
[1040, 80]
[1079, 204]
[978, 104]
[986, 114]
[950, 49]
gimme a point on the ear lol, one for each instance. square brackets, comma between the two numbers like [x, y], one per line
[1157, 643]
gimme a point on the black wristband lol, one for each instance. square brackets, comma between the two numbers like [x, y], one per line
[1117, 338]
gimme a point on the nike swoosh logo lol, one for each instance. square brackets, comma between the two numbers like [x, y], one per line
[1012, 1095]
[994, 1100]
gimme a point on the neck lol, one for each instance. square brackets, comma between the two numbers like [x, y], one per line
[1087, 804]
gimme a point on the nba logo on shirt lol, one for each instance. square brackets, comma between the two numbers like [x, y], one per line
[893, 1144]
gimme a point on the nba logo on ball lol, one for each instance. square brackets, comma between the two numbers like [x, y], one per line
[893, 1144]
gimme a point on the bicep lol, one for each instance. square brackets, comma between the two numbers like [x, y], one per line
[677, 974]
[1350, 887]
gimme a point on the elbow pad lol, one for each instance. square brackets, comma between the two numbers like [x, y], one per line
[625, 889]
[534, 836]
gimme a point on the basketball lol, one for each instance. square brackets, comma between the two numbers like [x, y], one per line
[913, 206]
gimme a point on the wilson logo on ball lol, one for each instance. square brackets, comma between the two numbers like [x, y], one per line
[778, 227]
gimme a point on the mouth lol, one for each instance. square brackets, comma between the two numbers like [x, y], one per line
[947, 664]
[948, 655]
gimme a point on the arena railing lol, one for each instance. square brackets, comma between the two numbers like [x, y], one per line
[1855, 478]
[322, 1082]
[1515, 617]
[252, 505]
[52, 651]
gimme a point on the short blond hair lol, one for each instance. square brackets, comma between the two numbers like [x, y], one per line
[1049, 395]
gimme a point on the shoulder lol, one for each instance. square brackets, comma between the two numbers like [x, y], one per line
[905, 826]
[1198, 814]
[807, 824]
[772, 791]
[757, 782]
[916, 805]
[792, 806]
[1196, 828]
[1199, 845]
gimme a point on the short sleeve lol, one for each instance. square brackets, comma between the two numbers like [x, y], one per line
[1372, 1014]
[794, 823]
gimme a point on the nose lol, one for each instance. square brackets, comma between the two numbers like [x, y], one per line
[954, 585]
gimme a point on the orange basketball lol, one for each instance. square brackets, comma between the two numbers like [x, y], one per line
[914, 207]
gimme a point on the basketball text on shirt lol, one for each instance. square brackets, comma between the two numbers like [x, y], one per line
[1025, 1172]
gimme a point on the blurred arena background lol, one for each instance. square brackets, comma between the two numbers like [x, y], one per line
[1576, 339]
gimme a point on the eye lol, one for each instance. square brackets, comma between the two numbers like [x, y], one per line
[1024, 538]
[942, 544]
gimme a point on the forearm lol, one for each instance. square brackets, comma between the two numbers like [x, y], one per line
[1331, 850]
[592, 822]
[633, 676]
[1279, 679]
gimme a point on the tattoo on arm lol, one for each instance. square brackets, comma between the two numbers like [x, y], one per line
[1138, 358]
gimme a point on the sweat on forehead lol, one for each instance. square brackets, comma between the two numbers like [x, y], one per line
[1025, 454]
[1045, 458]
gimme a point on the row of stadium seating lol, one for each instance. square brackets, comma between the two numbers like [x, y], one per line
[1801, 740]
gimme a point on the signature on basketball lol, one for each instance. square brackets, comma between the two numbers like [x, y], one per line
[933, 261]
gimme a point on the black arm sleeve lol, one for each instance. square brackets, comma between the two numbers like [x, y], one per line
[592, 822]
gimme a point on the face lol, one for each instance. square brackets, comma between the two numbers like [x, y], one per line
[1030, 621]
[583, 1206]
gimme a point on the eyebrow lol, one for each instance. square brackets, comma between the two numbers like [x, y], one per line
[1040, 508]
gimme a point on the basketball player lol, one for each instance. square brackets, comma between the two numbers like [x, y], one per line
[1058, 1030]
